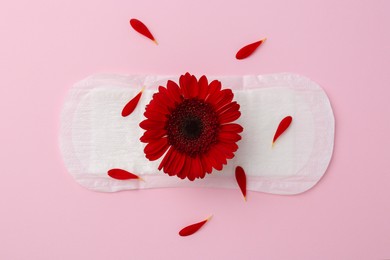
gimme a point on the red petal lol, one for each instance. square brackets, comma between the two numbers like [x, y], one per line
[156, 149]
[131, 105]
[232, 147]
[226, 99]
[142, 29]
[217, 159]
[206, 164]
[191, 173]
[174, 91]
[120, 174]
[197, 168]
[184, 81]
[157, 154]
[166, 95]
[214, 91]
[225, 150]
[179, 163]
[181, 173]
[163, 100]
[221, 98]
[229, 117]
[168, 168]
[158, 106]
[247, 50]
[203, 87]
[152, 135]
[185, 171]
[232, 128]
[241, 180]
[166, 158]
[191, 229]
[154, 115]
[220, 155]
[156, 145]
[231, 108]
[229, 137]
[193, 87]
[151, 125]
[214, 88]
[283, 125]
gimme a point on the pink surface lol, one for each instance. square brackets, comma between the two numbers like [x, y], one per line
[46, 46]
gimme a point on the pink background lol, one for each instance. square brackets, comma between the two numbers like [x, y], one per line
[46, 46]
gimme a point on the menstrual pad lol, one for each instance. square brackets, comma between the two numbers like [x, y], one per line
[95, 137]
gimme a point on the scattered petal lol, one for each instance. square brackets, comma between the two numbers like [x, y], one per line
[241, 180]
[141, 28]
[247, 50]
[129, 108]
[283, 125]
[120, 174]
[191, 229]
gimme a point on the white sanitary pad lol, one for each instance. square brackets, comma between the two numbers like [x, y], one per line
[95, 137]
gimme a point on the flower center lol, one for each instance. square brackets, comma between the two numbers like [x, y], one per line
[192, 127]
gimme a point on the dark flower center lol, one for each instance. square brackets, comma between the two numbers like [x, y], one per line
[192, 127]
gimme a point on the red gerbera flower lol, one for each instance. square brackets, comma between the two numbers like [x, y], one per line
[191, 125]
